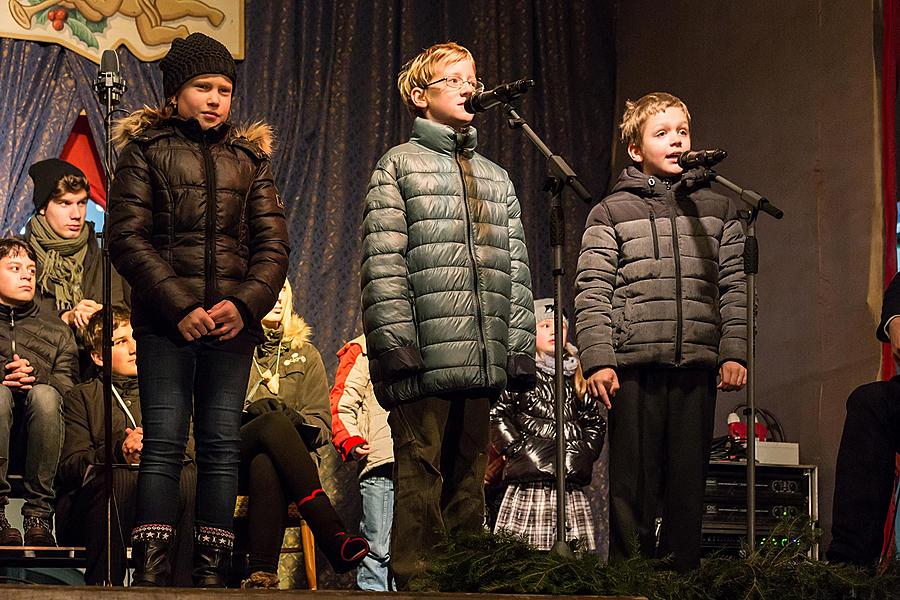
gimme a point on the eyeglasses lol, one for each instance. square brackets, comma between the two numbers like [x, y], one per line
[454, 83]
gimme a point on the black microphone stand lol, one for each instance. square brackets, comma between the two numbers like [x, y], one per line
[756, 203]
[110, 87]
[560, 176]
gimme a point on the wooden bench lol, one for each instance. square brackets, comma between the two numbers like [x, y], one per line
[51, 557]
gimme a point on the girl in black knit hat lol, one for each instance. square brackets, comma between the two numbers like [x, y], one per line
[197, 228]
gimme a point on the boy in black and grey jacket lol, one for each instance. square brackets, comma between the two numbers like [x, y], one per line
[660, 313]
[41, 364]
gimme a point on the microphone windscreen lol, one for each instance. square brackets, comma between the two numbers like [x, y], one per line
[109, 62]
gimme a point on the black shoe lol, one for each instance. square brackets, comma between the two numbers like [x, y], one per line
[38, 532]
[9, 535]
[212, 557]
[150, 552]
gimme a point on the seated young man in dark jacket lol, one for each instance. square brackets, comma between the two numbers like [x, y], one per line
[40, 361]
[81, 512]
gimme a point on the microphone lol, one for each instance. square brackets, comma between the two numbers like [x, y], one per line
[701, 158]
[501, 94]
[109, 85]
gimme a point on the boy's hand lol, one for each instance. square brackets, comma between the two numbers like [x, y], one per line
[603, 384]
[732, 376]
[195, 325]
[81, 313]
[894, 334]
[361, 450]
[227, 318]
[133, 444]
[19, 374]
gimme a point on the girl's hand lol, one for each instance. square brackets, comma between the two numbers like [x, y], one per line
[196, 324]
[227, 318]
[362, 450]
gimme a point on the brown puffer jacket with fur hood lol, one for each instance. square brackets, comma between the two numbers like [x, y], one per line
[178, 249]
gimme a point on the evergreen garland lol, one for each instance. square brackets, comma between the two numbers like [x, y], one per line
[487, 563]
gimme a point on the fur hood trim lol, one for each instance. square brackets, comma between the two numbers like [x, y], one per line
[258, 134]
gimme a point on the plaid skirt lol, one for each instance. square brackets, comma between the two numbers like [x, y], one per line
[529, 511]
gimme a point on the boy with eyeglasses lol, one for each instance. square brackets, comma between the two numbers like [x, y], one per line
[447, 305]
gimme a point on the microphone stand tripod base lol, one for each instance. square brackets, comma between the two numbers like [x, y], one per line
[562, 550]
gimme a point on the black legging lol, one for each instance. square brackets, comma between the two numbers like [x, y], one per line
[276, 469]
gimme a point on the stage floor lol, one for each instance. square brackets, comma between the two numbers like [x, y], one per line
[55, 592]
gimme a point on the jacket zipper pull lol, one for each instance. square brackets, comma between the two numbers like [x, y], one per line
[12, 330]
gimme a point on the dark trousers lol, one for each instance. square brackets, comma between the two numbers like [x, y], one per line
[439, 461]
[83, 523]
[42, 420]
[660, 432]
[864, 477]
[177, 382]
[276, 469]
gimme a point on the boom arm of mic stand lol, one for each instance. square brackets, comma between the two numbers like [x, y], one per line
[749, 197]
[557, 165]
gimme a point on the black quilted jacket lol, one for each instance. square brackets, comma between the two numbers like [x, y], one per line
[44, 340]
[178, 249]
[526, 429]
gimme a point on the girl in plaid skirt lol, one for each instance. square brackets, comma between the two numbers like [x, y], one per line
[525, 434]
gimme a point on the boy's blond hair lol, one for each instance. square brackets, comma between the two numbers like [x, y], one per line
[420, 71]
[637, 112]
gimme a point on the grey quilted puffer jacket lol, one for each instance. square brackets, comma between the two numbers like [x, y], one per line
[648, 297]
[446, 289]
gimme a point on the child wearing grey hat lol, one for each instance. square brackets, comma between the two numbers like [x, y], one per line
[525, 435]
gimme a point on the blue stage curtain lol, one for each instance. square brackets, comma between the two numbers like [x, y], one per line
[323, 74]
[37, 111]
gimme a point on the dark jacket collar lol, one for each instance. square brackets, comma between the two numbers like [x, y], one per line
[443, 138]
[637, 182]
[192, 130]
[23, 310]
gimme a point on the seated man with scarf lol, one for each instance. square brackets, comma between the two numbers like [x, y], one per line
[70, 275]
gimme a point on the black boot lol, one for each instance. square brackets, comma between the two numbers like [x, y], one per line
[212, 556]
[150, 546]
[343, 551]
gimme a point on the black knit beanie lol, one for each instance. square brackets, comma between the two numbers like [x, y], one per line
[46, 174]
[197, 54]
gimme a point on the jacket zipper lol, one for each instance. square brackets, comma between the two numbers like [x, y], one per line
[12, 331]
[655, 234]
[676, 250]
[210, 224]
[471, 247]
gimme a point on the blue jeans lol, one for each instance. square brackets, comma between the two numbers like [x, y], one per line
[377, 518]
[176, 382]
[45, 429]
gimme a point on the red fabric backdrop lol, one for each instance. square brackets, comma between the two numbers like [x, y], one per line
[81, 152]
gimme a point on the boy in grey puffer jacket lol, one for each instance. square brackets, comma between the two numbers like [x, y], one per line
[447, 306]
[660, 311]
